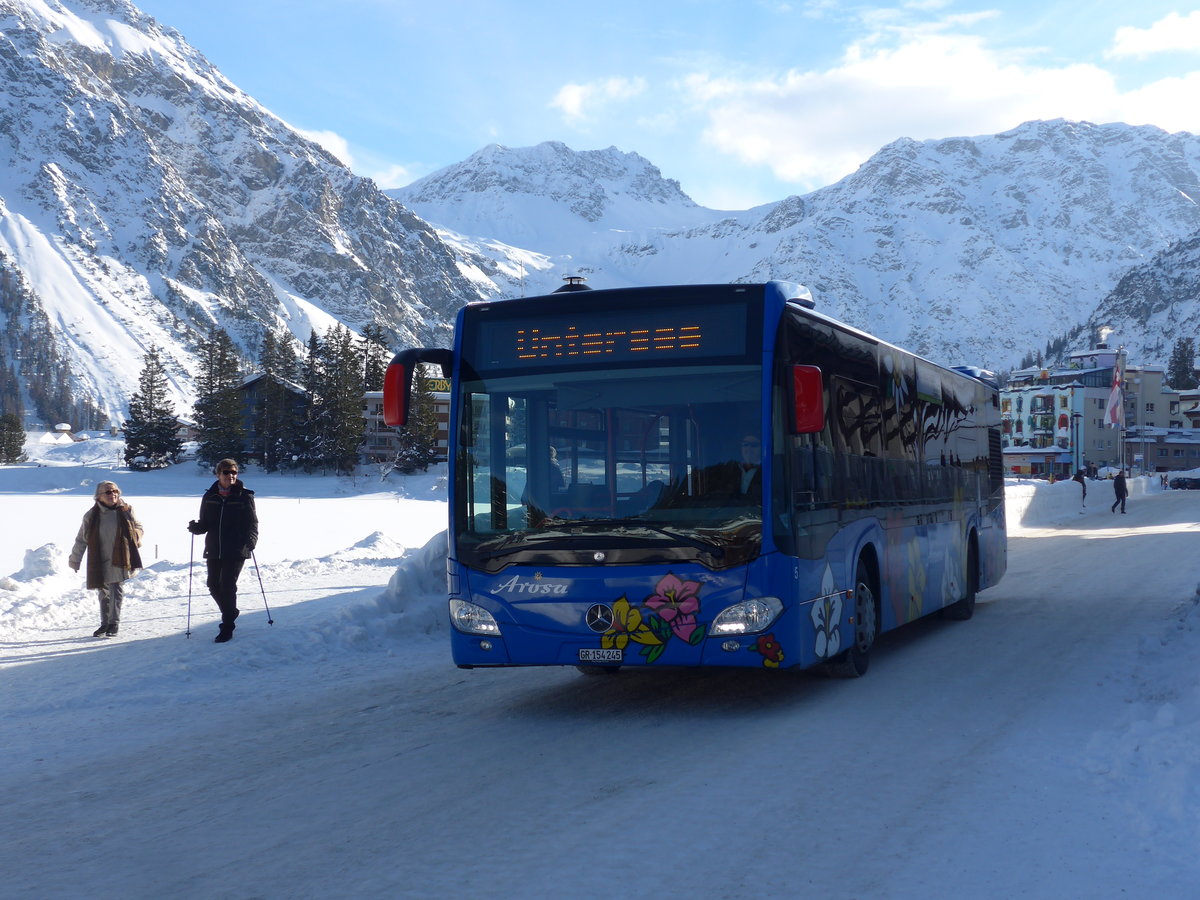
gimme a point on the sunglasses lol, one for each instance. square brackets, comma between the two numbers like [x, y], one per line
[229, 471]
[112, 492]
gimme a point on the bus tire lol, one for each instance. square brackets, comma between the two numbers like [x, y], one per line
[854, 662]
[963, 609]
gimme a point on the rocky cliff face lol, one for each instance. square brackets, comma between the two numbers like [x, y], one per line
[145, 197]
[1151, 306]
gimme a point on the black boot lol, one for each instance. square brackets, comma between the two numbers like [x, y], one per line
[111, 631]
[225, 634]
[99, 632]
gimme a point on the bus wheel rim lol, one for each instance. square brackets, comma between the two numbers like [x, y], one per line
[864, 613]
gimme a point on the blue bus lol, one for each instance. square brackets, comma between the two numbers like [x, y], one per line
[704, 475]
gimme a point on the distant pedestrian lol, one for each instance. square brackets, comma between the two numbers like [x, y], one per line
[110, 535]
[1078, 476]
[229, 521]
[1120, 490]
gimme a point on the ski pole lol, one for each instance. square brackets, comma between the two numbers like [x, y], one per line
[257, 572]
[191, 558]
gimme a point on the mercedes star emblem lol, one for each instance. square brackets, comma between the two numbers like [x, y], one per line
[599, 618]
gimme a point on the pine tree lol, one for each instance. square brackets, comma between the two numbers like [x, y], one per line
[340, 419]
[12, 440]
[263, 414]
[1181, 371]
[376, 357]
[10, 393]
[309, 444]
[218, 408]
[32, 369]
[417, 441]
[10, 386]
[151, 431]
[276, 415]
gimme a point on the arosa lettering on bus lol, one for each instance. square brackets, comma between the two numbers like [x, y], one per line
[515, 585]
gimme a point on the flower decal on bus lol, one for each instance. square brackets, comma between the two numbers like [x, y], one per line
[954, 574]
[826, 615]
[769, 649]
[896, 566]
[677, 602]
[917, 581]
[669, 612]
[627, 626]
[827, 620]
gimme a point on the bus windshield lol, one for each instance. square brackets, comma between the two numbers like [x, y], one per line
[628, 465]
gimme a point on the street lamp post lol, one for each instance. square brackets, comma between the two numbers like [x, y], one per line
[1076, 452]
[1121, 428]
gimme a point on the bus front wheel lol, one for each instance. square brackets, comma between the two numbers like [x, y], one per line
[853, 663]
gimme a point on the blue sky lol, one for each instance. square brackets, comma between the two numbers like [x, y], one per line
[741, 101]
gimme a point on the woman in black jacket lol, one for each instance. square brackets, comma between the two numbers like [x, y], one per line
[230, 525]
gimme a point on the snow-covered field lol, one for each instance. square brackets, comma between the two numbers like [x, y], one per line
[1050, 747]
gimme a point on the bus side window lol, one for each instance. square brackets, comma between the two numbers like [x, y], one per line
[858, 436]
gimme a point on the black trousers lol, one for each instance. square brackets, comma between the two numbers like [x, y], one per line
[222, 584]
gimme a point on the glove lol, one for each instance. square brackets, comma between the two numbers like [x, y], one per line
[194, 527]
[74, 566]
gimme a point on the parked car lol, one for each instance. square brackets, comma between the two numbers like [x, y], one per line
[1185, 484]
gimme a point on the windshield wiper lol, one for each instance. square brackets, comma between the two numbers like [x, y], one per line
[508, 548]
[558, 540]
[710, 546]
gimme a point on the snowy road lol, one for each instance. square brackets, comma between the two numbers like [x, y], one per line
[990, 758]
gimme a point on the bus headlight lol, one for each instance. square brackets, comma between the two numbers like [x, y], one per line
[748, 617]
[471, 619]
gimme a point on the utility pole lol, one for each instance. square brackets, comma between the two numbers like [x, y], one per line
[1121, 427]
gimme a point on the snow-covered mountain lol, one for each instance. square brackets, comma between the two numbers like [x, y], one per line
[966, 249]
[144, 197]
[525, 217]
[554, 198]
[1152, 305]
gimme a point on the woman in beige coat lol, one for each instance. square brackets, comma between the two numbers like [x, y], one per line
[111, 536]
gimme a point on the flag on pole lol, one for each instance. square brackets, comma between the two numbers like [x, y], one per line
[1114, 415]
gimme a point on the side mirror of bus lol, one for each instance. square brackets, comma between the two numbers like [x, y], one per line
[398, 380]
[808, 400]
[397, 391]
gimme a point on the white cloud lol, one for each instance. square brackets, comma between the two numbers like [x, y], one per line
[1171, 33]
[385, 173]
[390, 176]
[334, 143]
[1169, 103]
[814, 127]
[579, 102]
